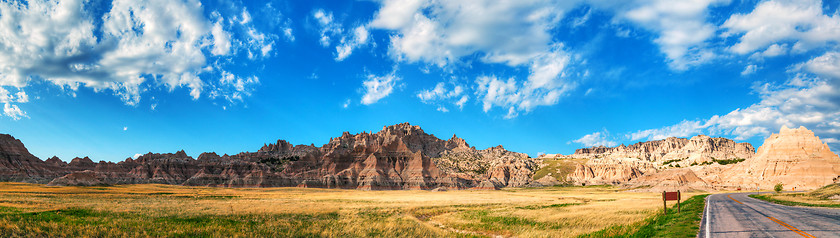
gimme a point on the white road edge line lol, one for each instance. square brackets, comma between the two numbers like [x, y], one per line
[708, 228]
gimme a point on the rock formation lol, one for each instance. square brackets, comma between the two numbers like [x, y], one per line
[682, 179]
[794, 157]
[673, 151]
[84, 178]
[401, 156]
[609, 171]
[17, 164]
[621, 164]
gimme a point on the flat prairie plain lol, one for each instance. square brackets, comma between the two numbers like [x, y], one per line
[151, 210]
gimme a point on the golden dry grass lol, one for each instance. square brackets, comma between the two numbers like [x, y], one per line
[165, 210]
[828, 196]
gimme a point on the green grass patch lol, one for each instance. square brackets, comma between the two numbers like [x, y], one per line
[81, 222]
[535, 207]
[671, 161]
[683, 224]
[728, 161]
[790, 203]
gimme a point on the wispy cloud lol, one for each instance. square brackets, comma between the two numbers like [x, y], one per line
[378, 87]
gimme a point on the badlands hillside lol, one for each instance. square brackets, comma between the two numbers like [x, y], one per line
[403, 156]
[400, 156]
[793, 157]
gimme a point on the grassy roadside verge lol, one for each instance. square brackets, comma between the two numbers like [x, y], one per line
[790, 203]
[683, 224]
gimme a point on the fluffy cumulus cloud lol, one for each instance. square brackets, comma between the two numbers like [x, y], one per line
[442, 32]
[169, 43]
[510, 33]
[378, 87]
[546, 83]
[600, 138]
[801, 23]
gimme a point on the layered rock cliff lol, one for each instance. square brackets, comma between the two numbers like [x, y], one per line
[622, 164]
[793, 157]
[674, 151]
[401, 156]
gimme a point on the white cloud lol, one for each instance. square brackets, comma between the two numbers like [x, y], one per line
[346, 103]
[233, 88]
[168, 42]
[546, 83]
[125, 128]
[221, 39]
[460, 103]
[596, 139]
[328, 27]
[246, 17]
[13, 111]
[441, 32]
[681, 25]
[136, 156]
[826, 65]
[802, 22]
[771, 51]
[441, 94]
[348, 44]
[750, 69]
[378, 87]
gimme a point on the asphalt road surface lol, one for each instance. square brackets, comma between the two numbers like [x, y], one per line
[736, 215]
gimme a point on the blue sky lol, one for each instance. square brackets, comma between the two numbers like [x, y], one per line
[111, 79]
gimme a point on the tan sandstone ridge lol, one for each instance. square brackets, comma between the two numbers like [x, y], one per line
[794, 157]
[623, 164]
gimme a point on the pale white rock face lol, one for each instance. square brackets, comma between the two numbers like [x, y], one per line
[623, 164]
[794, 157]
[673, 151]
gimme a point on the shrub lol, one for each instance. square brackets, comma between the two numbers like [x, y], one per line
[778, 187]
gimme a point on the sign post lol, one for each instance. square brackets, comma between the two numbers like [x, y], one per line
[670, 196]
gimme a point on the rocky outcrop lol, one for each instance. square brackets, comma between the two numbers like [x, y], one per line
[622, 164]
[609, 171]
[18, 165]
[501, 167]
[673, 151]
[84, 178]
[682, 179]
[793, 157]
[400, 156]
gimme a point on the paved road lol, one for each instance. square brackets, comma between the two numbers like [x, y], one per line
[736, 215]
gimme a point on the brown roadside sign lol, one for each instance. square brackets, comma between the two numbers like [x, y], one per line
[670, 196]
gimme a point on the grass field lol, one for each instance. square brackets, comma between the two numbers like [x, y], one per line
[828, 196]
[32, 210]
[683, 224]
